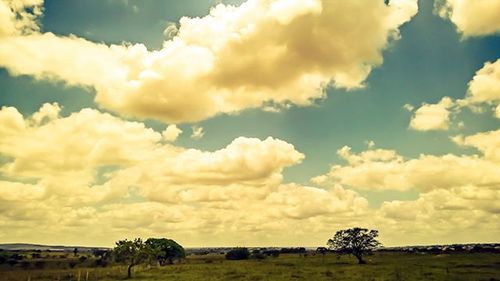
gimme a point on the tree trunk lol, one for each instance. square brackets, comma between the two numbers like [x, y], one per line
[360, 259]
[129, 271]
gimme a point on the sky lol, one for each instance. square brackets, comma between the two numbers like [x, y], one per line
[249, 123]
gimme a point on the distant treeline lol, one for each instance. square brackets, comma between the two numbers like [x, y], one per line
[455, 248]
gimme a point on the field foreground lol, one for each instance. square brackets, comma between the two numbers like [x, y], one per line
[381, 266]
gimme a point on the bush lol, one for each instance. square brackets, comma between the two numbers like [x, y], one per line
[272, 253]
[238, 254]
[259, 256]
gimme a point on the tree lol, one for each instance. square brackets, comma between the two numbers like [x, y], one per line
[130, 252]
[165, 250]
[355, 241]
[238, 254]
[102, 256]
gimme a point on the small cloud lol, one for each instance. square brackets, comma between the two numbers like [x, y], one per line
[48, 112]
[171, 133]
[319, 180]
[370, 143]
[171, 30]
[271, 109]
[433, 117]
[458, 140]
[408, 107]
[135, 9]
[197, 132]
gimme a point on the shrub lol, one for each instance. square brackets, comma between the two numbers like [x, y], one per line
[259, 256]
[272, 253]
[238, 254]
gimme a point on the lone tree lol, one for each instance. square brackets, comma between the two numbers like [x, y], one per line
[164, 250]
[356, 241]
[130, 252]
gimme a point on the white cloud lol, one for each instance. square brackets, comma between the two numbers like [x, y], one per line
[57, 174]
[458, 196]
[485, 85]
[370, 144]
[211, 67]
[382, 169]
[63, 157]
[430, 117]
[198, 132]
[471, 17]
[408, 107]
[483, 91]
[487, 143]
[46, 113]
[171, 133]
[16, 20]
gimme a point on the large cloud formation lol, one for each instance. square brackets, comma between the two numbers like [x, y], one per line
[262, 52]
[93, 172]
[458, 195]
[471, 17]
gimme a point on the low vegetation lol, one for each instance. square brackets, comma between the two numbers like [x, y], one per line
[165, 259]
[389, 266]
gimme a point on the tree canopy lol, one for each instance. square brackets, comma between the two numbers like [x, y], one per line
[131, 252]
[356, 241]
[165, 250]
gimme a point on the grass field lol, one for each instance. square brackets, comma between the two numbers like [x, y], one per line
[381, 266]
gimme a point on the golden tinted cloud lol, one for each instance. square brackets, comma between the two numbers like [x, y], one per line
[211, 66]
[471, 17]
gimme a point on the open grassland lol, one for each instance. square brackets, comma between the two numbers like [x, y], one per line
[381, 266]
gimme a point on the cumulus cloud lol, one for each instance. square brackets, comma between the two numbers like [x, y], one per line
[46, 113]
[382, 169]
[487, 143]
[209, 66]
[458, 196]
[485, 85]
[81, 170]
[430, 117]
[19, 17]
[483, 91]
[95, 172]
[171, 133]
[471, 17]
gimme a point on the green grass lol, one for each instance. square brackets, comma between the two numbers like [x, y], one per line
[381, 266]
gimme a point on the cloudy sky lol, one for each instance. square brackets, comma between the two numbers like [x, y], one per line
[249, 123]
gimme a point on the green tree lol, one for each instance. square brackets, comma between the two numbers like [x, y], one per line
[164, 250]
[131, 253]
[355, 241]
[238, 254]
